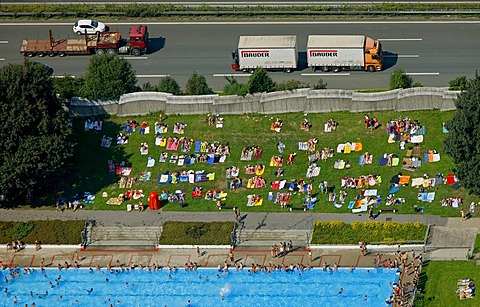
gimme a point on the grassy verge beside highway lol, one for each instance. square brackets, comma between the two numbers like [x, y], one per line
[58, 11]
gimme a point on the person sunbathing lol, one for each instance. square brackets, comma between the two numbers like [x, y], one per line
[209, 195]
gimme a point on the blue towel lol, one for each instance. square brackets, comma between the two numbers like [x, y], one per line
[424, 196]
[198, 145]
[361, 161]
[165, 182]
[382, 161]
[425, 157]
[210, 159]
[394, 189]
[183, 178]
[351, 204]
[444, 129]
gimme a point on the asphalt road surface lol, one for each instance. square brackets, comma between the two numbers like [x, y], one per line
[432, 52]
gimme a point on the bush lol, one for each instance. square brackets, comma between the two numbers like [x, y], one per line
[260, 82]
[197, 85]
[148, 87]
[321, 85]
[48, 232]
[458, 84]
[235, 88]
[380, 232]
[290, 85]
[195, 233]
[67, 87]
[168, 85]
[399, 79]
[22, 229]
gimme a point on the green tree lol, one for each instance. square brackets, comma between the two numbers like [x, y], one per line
[108, 77]
[463, 140]
[68, 87]
[197, 85]
[458, 84]
[169, 85]
[260, 82]
[36, 141]
[399, 79]
[235, 88]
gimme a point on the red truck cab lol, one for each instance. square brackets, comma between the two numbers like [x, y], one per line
[138, 37]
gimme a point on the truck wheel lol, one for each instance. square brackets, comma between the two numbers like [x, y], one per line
[136, 52]
[41, 54]
[251, 70]
[325, 68]
[287, 70]
[52, 54]
[78, 33]
[335, 69]
[371, 69]
[30, 54]
[111, 51]
[100, 52]
[62, 54]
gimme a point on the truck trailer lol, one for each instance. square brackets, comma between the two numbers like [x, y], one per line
[344, 52]
[105, 42]
[269, 52]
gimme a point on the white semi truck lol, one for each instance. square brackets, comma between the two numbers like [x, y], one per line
[269, 52]
[344, 52]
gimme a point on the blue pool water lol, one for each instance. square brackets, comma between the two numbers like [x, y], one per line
[239, 288]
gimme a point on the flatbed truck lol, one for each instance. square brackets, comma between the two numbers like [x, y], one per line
[101, 43]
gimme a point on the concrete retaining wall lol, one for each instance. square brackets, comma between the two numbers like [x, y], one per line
[302, 100]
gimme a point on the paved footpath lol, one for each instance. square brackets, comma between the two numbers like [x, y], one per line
[252, 220]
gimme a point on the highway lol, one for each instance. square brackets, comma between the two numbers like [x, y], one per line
[432, 52]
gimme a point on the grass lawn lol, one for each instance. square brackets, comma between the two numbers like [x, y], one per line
[89, 170]
[439, 282]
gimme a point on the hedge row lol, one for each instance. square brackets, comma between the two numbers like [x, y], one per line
[337, 232]
[196, 233]
[48, 232]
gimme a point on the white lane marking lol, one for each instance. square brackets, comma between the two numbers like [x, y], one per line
[152, 76]
[326, 74]
[402, 56]
[253, 23]
[232, 75]
[399, 39]
[3, 42]
[422, 73]
[63, 76]
[1, 59]
[135, 58]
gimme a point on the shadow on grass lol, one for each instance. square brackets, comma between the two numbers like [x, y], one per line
[420, 298]
[88, 170]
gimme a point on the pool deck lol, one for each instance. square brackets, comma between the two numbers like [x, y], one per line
[348, 256]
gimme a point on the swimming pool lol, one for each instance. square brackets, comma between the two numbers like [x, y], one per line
[239, 288]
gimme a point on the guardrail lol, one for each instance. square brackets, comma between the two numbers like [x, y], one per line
[220, 13]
